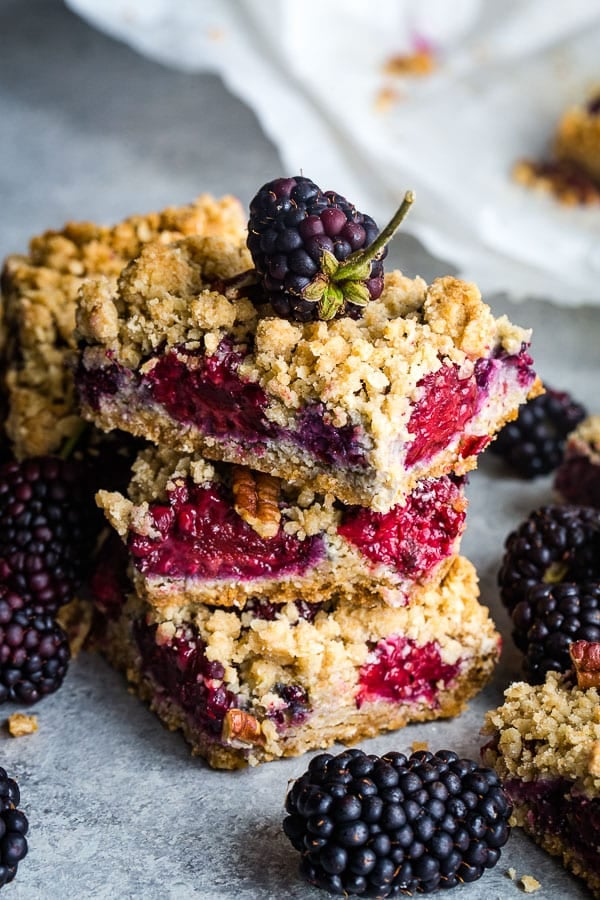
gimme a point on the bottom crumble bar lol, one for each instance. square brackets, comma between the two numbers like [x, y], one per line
[248, 687]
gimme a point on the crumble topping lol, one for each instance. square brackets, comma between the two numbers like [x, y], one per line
[569, 184]
[20, 724]
[418, 63]
[164, 299]
[156, 471]
[362, 370]
[40, 291]
[548, 731]
[530, 884]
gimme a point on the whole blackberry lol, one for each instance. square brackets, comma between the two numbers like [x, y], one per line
[316, 255]
[48, 524]
[533, 444]
[549, 619]
[554, 544]
[34, 655]
[387, 826]
[13, 828]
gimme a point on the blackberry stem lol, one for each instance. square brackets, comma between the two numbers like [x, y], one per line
[353, 262]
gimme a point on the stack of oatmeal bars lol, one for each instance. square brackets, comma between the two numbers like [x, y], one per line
[283, 567]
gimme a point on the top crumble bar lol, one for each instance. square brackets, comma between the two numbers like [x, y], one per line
[39, 292]
[361, 409]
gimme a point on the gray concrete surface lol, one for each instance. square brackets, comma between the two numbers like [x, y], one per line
[118, 808]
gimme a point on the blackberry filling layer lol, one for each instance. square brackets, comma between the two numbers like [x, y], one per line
[199, 534]
[401, 671]
[207, 392]
[190, 535]
[413, 538]
[181, 670]
[448, 402]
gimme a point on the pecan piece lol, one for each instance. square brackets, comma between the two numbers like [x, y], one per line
[240, 729]
[256, 500]
[585, 656]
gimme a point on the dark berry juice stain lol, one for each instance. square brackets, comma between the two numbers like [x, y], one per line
[329, 444]
[94, 384]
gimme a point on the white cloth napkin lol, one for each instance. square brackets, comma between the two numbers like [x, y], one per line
[313, 70]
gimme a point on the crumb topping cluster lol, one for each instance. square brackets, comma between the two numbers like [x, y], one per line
[548, 731]
[157, 471]
[40, 291]
[362, 370]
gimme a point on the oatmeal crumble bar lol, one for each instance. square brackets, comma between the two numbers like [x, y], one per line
[192, 539]
[254, 685]
[361, 408]
[39, 291]
[545, 745]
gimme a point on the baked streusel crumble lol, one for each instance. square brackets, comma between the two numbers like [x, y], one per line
[572, 170]
[360, 408]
